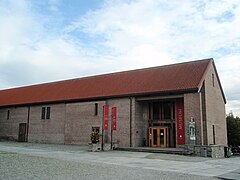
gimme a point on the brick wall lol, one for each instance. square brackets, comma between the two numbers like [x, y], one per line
[47, 130]
[80, 118]
[9, 128]
[69, 123]
[192, 108]
[215, 106]
[122, 134]
[140, 124]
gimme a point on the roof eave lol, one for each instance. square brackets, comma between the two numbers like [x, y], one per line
[204, 75]
[181, 91]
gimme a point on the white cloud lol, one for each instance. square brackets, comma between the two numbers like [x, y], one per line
[30, 53]
[177, 28]
[53, 5]
[233, 106]
[229, 71]
[228, 68]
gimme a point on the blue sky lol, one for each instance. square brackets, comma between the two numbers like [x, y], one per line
[50, 40]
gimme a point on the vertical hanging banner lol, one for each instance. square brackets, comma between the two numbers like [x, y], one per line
[180, 122]
[114, 118]
[106, 109]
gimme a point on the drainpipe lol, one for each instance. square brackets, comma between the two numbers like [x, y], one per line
[102, 127]
[130, 121]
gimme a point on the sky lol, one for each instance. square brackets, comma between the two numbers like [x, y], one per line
[51, 40]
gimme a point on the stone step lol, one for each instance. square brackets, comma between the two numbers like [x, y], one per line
[179, 151]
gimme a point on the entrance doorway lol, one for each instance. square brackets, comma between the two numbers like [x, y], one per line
[22, 132]
[159, 136]
[161, 124]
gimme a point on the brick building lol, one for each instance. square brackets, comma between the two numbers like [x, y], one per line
[166, 106]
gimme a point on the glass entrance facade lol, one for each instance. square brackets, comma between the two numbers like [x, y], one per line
[161, 124]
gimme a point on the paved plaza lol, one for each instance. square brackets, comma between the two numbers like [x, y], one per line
[45, 161]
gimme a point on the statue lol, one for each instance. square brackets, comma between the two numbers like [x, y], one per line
[192, 131]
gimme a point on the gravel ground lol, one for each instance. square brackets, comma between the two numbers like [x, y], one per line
[22, 166]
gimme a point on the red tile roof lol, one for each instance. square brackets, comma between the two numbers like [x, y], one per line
[176, 77]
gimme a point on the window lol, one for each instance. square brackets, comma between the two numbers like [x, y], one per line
[214, 138]
[46, 112]
[150, 111]
[156, 111]
[96, 109]
[163, 110]
[8, 114]
[167, 110]
[43, 112]
[213, 80]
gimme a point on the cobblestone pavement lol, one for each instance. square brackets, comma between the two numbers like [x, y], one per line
[44, 161]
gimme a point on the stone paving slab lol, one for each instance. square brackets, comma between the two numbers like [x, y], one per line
[227, 168]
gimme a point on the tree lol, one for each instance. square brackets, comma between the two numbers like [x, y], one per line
[233, 130]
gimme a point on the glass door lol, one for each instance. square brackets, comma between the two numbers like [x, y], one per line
[158, 137]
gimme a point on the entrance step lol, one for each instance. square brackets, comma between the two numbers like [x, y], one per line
[180, 151]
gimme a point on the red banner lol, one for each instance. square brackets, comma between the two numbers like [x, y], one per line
[180, 122]
[114, 118]
[106, 109]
